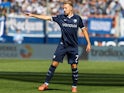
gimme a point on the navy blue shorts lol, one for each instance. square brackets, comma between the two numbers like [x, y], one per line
[61, 51]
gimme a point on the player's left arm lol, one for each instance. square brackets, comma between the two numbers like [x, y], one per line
[86, 35]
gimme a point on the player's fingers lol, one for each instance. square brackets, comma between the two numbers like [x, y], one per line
[27, 14]
[88, 49]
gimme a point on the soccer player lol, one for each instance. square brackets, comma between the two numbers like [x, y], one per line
[69, 24]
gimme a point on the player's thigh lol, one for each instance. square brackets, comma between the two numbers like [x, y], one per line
[59, 53]
[73, 56]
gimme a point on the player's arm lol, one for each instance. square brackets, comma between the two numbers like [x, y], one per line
[43, 17]
[86, 35]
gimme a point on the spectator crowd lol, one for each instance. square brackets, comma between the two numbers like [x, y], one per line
[82, 7]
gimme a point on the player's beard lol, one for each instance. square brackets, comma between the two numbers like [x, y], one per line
[66, 14]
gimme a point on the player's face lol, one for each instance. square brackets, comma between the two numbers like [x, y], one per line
[67, 9]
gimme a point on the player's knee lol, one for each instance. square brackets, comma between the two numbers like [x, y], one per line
[55, 63]
[74, 66]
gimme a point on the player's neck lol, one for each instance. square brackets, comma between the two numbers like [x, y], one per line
[70, 14]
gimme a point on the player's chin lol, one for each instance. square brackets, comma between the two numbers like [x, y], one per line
[65, 13]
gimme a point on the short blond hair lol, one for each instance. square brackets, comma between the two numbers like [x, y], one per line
[68, 2]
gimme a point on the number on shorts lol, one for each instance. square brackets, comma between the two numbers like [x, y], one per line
[76, 60]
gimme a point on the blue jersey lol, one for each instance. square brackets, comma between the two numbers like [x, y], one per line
[69, 28]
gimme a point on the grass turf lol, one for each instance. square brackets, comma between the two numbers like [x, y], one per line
[24, 76]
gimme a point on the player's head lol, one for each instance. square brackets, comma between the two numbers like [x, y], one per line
[68, 7]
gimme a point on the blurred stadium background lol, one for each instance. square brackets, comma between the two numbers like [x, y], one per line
[33, 39]
[22, 37]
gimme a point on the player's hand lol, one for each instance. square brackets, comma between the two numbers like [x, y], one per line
[88, 48]
[28, 14]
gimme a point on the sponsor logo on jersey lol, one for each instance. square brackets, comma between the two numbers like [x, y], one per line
[69, 25]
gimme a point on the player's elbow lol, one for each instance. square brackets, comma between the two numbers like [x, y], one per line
[47, 18]
[84, 29]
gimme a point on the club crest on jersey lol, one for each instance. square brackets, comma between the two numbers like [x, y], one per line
[65, 19]
[75, 20]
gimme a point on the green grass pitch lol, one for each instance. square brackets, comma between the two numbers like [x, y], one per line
[24, 76]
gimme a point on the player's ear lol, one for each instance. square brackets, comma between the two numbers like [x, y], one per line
[71, 8]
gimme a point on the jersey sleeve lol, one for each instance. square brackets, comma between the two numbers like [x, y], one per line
[81, 25]
[56, 18]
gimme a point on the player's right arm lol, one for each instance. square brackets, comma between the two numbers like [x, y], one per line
[43, 17]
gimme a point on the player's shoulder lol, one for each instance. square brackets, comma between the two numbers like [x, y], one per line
[76, 16]
[60, 15]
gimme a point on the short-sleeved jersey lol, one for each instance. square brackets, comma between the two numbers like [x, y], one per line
[69, 28]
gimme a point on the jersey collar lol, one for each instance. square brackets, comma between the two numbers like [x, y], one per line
[70, 16]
